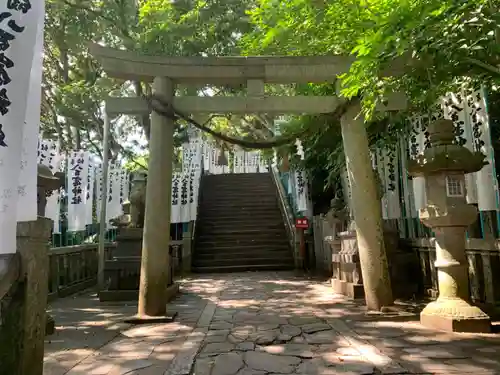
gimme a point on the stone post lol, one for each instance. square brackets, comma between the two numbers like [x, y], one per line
[47, 182]
[155, 263]
[187, 248]
[367, 211]
[444, 166]
[23, 315]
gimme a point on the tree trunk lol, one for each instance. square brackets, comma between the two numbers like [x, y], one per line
[367, 210]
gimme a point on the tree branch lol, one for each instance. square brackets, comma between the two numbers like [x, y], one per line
[490, 68]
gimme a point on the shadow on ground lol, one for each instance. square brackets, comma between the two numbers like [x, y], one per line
[258, 323]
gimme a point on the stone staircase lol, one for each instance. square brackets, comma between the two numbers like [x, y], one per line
[240, 227]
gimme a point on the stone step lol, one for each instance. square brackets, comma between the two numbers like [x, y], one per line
[242, 248]
[211, 243]
[238, 185]
[252, 181]
[244, 268]
[240, 219]
[237, 230]
[242, 261]
[237, 176]
[238, 211]
[252, 202]
[232, 225]
[240, 227]
[242, 235]
[238, 195]
[238, 253]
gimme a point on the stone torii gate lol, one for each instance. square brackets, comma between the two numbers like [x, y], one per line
[167, 72]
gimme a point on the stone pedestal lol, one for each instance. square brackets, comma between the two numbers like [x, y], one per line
[187, 244]
[123, 270]
[347, 279]
[129, 242]
[444, 166]
[23, 317]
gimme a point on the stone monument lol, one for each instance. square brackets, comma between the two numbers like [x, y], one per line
[444, 165]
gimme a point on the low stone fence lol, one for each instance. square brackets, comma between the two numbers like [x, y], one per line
[484, 268]
[73, 268]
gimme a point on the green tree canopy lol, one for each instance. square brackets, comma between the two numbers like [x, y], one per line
[74, 86]
[430, 46]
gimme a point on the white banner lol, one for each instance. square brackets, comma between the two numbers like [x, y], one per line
[175, 207]
[110, 203]
[185, 208]
[113, 206]
[125, 187]
[98, 195]
[302, 192]
[78, 168]
[239, 162]
[454, 108]
[19, 23]
[479, 124]
[89, 194]
[27, 189]
[194, 189]
[48, 154]
[417, 144]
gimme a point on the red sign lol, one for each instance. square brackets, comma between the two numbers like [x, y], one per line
[302, 223]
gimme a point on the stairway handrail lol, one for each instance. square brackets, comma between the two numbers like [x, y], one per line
[285, 208]
[10, 272]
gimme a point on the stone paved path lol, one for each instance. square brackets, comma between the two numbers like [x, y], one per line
[258, 324]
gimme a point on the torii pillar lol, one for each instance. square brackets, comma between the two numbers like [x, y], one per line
[155, 262]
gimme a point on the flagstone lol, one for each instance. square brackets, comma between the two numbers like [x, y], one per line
[271, 363]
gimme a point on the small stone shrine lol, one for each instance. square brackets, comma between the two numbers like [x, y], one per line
[444, 165]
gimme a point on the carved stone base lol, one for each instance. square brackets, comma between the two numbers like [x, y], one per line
[348, 289]
[455, 315]
[129, 242]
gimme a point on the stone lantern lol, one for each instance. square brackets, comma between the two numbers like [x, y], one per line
[46, 183]
[444, 165]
